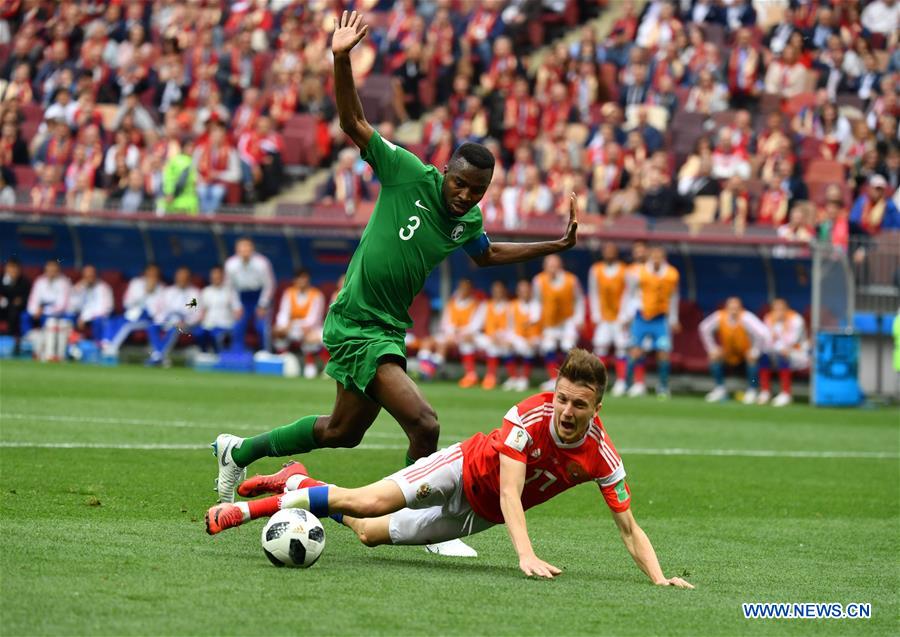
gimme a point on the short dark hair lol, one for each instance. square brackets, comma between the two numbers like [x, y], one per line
[12, 261]
[474, 154]
[300, 272]
[584, 368]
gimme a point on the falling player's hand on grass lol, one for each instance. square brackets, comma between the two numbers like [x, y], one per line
[677, 582]
[570, 239]
[348, 31]
[532, 565]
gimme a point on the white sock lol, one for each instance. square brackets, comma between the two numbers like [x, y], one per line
[245, 510]
[293, 483]
[295, 500]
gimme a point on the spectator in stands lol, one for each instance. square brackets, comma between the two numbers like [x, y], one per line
[729, 160]
[142, 296]
[7, 192]
[653, 139]
[461, 322]
[47, 322]
[219, 308]
[744, 70]
[792, 180]
[530, 199]
[788, 350]
[882, 17]
[47, 192]
[91, 304]
[560, 309]
[660, 200]
[734, 204]
[301, 313]
[786, 76]
[798, 226]
[346, 185]
[652, 312]
[773, 204]
[250, 274]
[707, 96]
[260, 150]
[173, 314]
[19, 87]
[134, 196]
[14, 293]
[635, 89]
[57, 148]
[833, 76]
[13, 149]
[732, 337]
[218, 166]
[872, 211]
[833, 226]
[179, 179]
[494, 338]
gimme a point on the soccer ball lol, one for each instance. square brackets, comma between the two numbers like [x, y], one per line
[293, 537]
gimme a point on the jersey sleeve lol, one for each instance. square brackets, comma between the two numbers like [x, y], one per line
[478, 245]
[617, 496]
[514, 440]
[392, 164]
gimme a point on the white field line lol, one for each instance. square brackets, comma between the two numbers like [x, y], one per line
[745, 453]
[147, 422]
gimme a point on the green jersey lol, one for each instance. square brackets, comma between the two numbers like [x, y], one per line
[408, 235]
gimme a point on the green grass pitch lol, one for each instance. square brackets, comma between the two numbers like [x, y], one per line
[105, 474]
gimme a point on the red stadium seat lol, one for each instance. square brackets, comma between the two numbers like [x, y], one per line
[825, 170]
[795, 104]
[26, 177]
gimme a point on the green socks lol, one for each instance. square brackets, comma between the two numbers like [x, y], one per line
[296, 437]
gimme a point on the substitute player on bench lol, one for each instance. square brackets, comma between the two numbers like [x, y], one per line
[733, 336]
[421, 216]
[547, 444]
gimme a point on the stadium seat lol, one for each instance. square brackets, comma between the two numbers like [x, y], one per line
[795, 104]
[377, 97]
[26, 177]
[825, 170]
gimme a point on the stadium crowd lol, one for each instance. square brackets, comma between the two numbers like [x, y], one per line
[629, 311]
[739, 112]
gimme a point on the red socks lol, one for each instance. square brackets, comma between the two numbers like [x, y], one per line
[511, 368]
[492, 366]
[264, 507]
[765, 380]
[784, 376]
[468, 361]
[639, 372]
[621, 368]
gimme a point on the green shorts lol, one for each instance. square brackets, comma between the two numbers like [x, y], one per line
[356, 349]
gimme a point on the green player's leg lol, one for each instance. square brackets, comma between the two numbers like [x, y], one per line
[352, 415]
[396, 392]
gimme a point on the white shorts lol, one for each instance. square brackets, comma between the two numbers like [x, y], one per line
[610, 333]
[464, 342]
[797, 358]
[562, 337]
[523, 346]
[437, 506]
[296, 333]
[493, 345]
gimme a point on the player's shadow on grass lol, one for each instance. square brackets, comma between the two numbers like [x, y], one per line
[459, 565]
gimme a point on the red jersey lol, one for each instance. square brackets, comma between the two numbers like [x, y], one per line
[552, 466]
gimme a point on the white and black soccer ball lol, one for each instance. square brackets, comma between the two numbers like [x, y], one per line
[293, 537]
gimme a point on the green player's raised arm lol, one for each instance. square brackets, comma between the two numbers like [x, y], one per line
[349, 30]
[503, 253]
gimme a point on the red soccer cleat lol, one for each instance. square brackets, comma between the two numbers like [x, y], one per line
[223, 516]
[273, 483]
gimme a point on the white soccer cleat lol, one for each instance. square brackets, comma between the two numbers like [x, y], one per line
[548, 385]
[718, 394]
[636, 390]
[452, 548]
[619, 388]
[750, 397]
[763, 398]
[310, 370]
[522, 385]
[782, 399]
[230, 475]
[511, 384]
